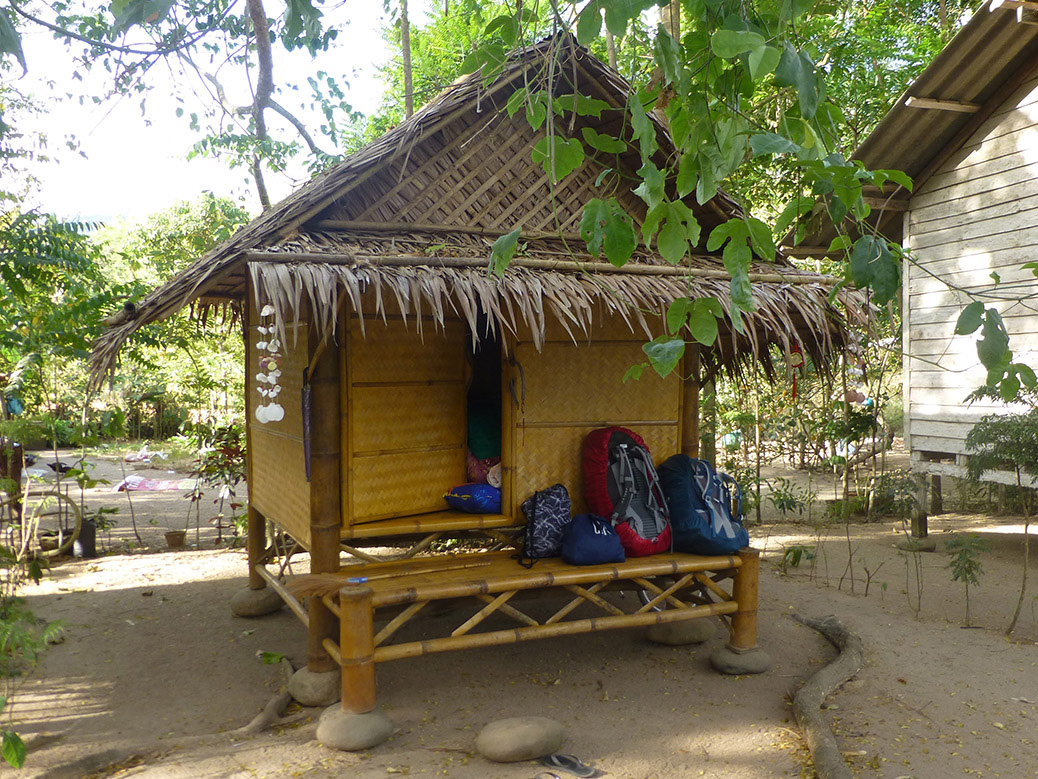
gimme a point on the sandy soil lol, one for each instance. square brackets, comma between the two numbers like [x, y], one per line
[154, 671]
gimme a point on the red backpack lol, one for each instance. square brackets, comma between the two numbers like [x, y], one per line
[620, 482]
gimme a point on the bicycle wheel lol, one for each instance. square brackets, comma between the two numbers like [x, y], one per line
[51, 522]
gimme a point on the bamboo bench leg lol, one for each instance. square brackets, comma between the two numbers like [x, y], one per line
[257, 599]
[741, 655]
[355, 723]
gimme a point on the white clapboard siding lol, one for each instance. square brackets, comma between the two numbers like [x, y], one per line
[976, 216]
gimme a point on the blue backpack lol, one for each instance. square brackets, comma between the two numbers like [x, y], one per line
[705, 507]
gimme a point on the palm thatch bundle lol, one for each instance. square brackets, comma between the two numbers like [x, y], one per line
[408, 223]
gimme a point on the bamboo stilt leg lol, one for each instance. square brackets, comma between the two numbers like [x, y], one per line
[257, 547]
[357, 649]
[744, 590]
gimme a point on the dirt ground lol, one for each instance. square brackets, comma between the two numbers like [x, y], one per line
[154, 670]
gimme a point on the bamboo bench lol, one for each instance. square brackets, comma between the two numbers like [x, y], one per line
[677, 587]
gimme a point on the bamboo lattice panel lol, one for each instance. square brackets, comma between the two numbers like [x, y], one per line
[279, 489]
[406, 418]
[546, 455]
[584, 384]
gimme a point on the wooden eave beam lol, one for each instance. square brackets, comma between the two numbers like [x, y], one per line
[986, 111]
[886, 203]
[942, 105]
[1031, 5]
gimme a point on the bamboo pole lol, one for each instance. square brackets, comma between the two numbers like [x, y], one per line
[744, 591]
[517, 635]
[272, 581]
[325, 496]
[356, 648]
[631, 268]
[690, 402]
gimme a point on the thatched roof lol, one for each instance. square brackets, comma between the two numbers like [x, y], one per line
[412, 216]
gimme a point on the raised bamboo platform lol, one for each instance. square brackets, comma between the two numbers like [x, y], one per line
[677, 587]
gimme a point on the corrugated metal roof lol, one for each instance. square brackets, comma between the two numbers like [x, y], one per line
[989, 49]
[996, 49]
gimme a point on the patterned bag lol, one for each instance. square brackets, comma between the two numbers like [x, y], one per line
[547, 514]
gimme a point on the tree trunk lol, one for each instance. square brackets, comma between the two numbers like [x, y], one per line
[264, 89]
[405, 46]
[610, 49]
[670, 17]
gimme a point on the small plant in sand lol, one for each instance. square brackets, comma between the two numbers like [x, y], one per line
[965, 563]
[787, 497]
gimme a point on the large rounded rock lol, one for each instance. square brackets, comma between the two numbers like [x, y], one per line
[340, 729]
[255, 603]
[315, 688]
[730, 661]
[689, 631]
[519, 738]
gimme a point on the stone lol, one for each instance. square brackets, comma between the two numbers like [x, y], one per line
[520, 738]
[255, 603]
[738, 662]
[315, 688]
[913, 544]
[341, 729]
[689, 631]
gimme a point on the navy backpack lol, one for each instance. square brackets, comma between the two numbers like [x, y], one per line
[705, 507]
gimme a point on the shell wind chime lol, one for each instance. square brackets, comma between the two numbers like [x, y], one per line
[268, 346]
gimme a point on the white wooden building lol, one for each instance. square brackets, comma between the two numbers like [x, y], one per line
[966, 131]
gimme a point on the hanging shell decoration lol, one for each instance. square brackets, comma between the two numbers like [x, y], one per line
[268, 346]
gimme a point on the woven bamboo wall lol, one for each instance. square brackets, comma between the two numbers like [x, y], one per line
[565, 391]
[279, 489]
[405, 404]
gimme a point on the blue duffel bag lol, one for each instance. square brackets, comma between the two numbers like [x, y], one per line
[705, 507]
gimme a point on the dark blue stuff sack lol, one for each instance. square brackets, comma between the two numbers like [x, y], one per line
[591, 540]
[474, 499]
[705, 507]
[547, 514]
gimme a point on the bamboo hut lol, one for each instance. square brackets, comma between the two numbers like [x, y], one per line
[371, 320]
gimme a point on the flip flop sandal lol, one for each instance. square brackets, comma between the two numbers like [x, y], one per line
[569, 764]
[547, 775]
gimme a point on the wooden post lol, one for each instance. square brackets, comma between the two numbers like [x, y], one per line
[256, 545]
[325, 493]
[919, 516]
[357, 648]
[936, 498]
[708, 424]
[690, 402]
[744, 590]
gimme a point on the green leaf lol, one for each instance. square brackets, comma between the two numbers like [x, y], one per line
[635, 372]
[840, 243]
[671, 242]
[793, 9]
[970, 318]
[760, 239]
[771, 143]
[605, 226]
[872, 264]
[651, 189]
[702, 320]
[503, 250]
[728, 44]
[508, 27]
[763, 61]
[1009, 388]
[619, 12]
[993, 346]
[796, 69]
[536, 110]
[664, 353]
[898, 176]
[688, 173]
[516, 101]
[1025, 372]
[271, 658]
[677, 315]
[558, 156]
[995, 277]
[589, 23]
[643, 129]
[13, 749]
[141, 12]
[11, 42]
[794, 209]
[601, 142]
[671, 60]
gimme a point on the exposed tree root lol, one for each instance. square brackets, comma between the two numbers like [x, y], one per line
[274, 710]
[807, 704]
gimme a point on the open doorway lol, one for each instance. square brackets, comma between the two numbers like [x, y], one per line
[483, 408]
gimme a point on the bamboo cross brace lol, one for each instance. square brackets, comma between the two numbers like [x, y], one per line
[399, 621]
[711, 585]
[502, 538]
[558, 615]
[665, 595]
[511, 611]
[353, 552]
[483, 613]
[591, 597]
